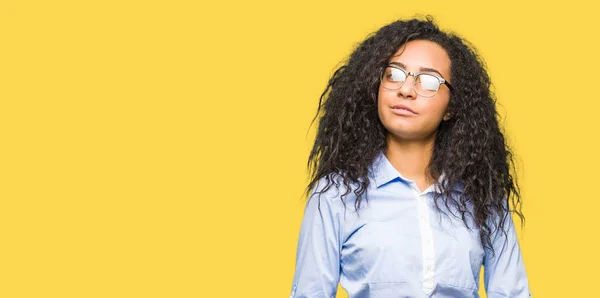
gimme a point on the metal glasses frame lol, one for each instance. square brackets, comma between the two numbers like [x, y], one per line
[442, 81]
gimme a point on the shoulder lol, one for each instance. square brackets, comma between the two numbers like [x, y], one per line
[333, 191]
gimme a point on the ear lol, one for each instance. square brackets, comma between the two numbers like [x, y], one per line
[447, 117]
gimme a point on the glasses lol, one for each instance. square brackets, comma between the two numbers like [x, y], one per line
[425, 84]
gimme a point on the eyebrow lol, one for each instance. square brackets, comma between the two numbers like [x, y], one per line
[420, 69]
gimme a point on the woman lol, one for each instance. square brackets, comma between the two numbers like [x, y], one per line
[412, 185]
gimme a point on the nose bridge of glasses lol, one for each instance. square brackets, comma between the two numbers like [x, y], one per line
[409, 87]
[414, 76]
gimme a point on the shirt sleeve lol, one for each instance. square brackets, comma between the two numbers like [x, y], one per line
[504, 272]
[317, 270]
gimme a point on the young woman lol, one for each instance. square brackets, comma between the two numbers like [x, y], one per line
[412, 185]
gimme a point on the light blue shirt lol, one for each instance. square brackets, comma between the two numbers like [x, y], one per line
[399, 246]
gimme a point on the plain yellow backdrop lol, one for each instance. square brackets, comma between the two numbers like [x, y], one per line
[158, 148]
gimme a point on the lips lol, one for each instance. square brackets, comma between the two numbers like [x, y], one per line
[403, 110]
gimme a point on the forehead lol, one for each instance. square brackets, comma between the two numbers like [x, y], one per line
[418, 54]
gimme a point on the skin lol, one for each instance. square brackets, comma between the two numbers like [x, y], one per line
[411, 137]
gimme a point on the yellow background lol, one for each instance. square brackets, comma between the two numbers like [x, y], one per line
[158, 148]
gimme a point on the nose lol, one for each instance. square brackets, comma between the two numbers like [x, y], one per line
[408, 88]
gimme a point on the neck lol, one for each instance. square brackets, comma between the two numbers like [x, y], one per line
[411, 158]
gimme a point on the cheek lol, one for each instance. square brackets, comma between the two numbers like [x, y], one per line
[381, 102]
[436, 111]
[386, 117]
[380, 96]
[437, 106]
[386, 97]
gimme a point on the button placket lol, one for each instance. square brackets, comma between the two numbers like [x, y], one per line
[426, 241]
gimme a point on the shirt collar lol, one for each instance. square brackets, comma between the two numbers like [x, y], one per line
[383, 172]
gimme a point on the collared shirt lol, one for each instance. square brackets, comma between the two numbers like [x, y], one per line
[398, 245]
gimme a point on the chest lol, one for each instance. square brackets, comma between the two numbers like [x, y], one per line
[396, 238]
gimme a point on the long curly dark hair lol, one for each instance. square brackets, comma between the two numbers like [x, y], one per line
[469, 149]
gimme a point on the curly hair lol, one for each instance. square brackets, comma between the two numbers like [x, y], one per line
[469, 149]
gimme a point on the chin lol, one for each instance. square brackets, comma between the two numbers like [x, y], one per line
[405, 133]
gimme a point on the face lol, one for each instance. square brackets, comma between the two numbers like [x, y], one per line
[406, 114]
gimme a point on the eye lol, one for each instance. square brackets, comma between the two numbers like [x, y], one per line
[429, 82]
[395, 74]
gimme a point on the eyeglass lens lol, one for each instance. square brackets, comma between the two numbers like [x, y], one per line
[425, 84]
